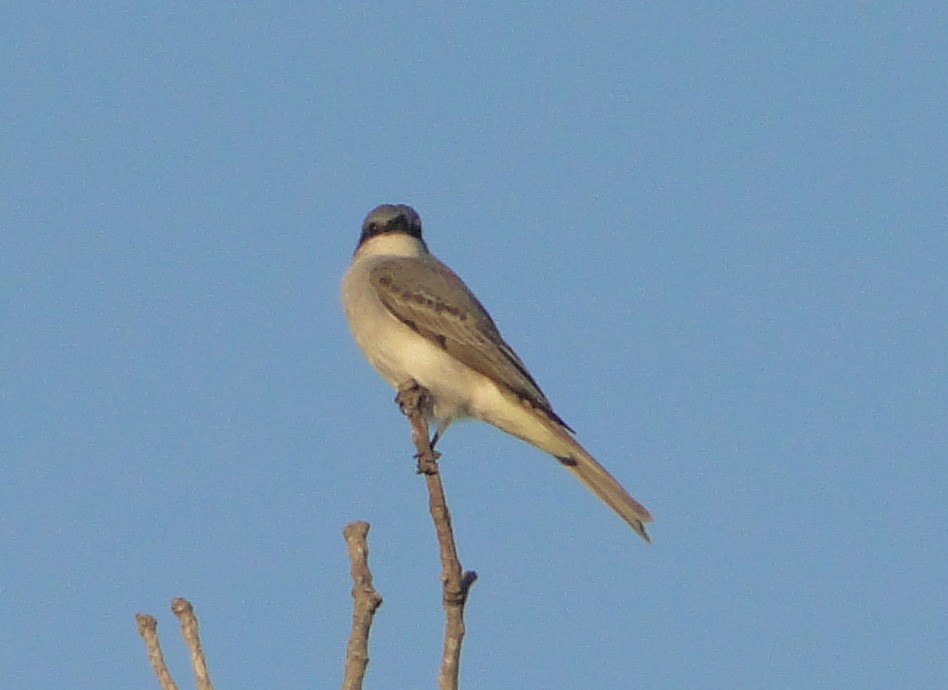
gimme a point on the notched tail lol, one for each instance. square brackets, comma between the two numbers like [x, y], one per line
[598, 480]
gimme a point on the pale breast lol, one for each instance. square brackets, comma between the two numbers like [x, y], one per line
[398, 353]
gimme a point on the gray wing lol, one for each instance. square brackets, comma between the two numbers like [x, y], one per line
[429, 298]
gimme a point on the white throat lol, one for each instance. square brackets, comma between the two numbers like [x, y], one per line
[392, 244]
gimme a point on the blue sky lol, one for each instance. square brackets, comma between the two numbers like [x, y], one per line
[717, 236]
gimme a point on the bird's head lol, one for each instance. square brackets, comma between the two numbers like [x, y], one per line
[391, 218]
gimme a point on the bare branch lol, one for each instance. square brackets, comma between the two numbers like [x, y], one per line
[189, 631]
[148, 629]
[415, 402]
[365, 602]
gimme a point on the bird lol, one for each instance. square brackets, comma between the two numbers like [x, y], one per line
[416, 321]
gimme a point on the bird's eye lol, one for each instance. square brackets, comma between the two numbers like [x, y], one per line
[372, 228]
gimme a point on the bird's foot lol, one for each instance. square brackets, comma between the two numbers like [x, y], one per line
[415, 403]
[428, 461]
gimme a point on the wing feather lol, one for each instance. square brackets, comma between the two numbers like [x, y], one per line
[430, 298]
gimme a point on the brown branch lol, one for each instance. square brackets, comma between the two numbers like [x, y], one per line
[148, 629]
[189, 631]
[365, 602]
[415, 403]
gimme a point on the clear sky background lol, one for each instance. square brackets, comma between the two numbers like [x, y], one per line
[718, 237]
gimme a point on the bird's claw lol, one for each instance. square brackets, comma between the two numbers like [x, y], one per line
[428, 461]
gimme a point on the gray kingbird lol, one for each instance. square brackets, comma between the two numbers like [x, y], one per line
[414, 319]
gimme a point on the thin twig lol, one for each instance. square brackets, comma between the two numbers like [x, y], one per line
[414, 402]
[365, 602]
[148, 629]
[189, 631]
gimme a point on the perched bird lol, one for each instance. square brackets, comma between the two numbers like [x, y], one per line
[414, 319]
